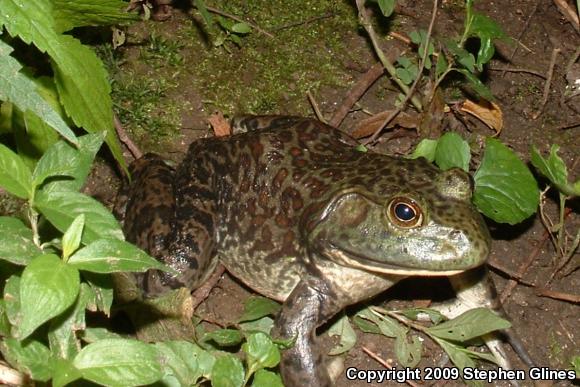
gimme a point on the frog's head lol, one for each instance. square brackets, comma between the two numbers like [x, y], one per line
[431, 230]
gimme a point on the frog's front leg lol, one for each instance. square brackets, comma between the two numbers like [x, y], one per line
[311, 303]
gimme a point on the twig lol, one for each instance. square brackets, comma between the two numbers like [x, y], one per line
[523, 268]
[384, 363]
[201, 293]
[569, 13]
[518, 70]
[125, 139]
[356, 92]
[409, 95]
[495, 265]
[573, 298]
[234, 17]
[568, 126]
[548, 83]
[522, 32]
[302, 22]
[367, 25]
[315, 107]
[400, 37]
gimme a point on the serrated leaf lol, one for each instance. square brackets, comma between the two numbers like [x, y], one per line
[344, 331]
[426, 148]
[554, 169]
[15, 177]
[241, 28]
[114, 255]
[71, 239]
[257, 307]
[224, 337]
[62, 208]
[79, 74]
[119, 362]
[408, 353]
[70, 14]
[227, 371]
[81, 160]
[62, 336]
[471, 324]
[47, 288]
[32, 357]
[15, 87]
[387, 7]
[260, 352]
[185, 361]
[265, 378]
[55, 162]
[452, 152]
[505, 189]
[16, 244]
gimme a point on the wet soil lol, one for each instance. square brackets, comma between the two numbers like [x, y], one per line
[325, 56]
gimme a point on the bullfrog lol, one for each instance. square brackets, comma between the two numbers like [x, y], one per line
[298, 213]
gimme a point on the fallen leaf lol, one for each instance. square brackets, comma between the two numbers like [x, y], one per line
[370, 125]
[221, 127]
[488, 112]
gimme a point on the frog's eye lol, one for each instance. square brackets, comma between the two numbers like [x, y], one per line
[405, 212]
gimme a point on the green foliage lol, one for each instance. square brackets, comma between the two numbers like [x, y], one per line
[79, 76]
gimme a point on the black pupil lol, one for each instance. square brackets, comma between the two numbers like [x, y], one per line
[404, 212]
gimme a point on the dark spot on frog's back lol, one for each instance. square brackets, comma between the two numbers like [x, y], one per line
[278, 180]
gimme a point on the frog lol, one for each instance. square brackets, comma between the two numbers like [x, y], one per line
[298, 212]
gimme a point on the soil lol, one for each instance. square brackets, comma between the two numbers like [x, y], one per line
[326, 56]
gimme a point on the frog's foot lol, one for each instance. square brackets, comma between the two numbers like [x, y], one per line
[309, 305]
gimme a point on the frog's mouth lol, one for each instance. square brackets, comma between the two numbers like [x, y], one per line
[349, 258]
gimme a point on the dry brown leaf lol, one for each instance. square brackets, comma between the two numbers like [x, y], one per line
[370, 125]
[221, 127]
[488, 112]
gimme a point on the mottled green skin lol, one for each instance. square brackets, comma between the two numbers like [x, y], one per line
[295, 212]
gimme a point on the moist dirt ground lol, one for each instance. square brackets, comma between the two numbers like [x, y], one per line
[171, 75]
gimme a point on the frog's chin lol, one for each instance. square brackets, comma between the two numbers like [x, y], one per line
[350, 259]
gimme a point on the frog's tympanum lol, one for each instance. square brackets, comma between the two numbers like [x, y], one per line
[297, 213]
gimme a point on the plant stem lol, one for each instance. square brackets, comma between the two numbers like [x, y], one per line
[367, 25]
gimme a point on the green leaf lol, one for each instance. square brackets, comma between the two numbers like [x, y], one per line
[114, 255]
[12, 301]
[257, 307]
[473, 323]
[47, 288]
[17, 88]
[16, 243]
[4, 322]
[365, 325]
[71, 240]
[408, 353]
[102, 287]
[119, 362]
[478, 86]
[426, 148]
[224, 337]
[62, 208]
[64, 373]
[264, 324]
[265, 378]
[435, 316]
[32, 357]
[261, 352]
[227, 371]
[505, 189]
[485, 53]
[55, 162]
[387, 326]
[81, 160]
[554, 169]
[62, 333]
[452, 151]
[462, 56]
[344, 331]
[485, 27]
[441, 65]
[241, 28]
[387, 7]
[205, 15]
[92, 335]
[185, 361]
[70, 14]
[79, 74]
[456, 354]
[15, 177]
